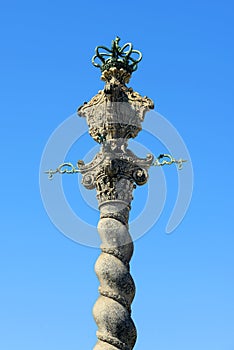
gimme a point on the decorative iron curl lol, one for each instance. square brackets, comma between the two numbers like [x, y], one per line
[67, 168]
[160, 162]
[139, 175]
[117, 56]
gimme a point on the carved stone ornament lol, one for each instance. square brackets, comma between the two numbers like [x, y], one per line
[116, 111]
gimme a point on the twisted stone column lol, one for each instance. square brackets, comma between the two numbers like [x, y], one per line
[115, 175]
[112, 311]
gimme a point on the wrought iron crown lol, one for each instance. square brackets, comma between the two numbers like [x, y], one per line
[117, 56]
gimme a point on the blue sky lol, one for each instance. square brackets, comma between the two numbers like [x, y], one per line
[184, 281]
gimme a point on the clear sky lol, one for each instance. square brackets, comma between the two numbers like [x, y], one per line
[185, 288]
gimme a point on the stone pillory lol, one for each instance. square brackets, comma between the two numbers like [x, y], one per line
[114, 116]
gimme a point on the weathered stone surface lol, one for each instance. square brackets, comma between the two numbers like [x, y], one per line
[112, 311]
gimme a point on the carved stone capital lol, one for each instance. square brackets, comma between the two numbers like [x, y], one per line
[114, 172]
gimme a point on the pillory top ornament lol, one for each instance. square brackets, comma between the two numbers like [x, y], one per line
[118, 57]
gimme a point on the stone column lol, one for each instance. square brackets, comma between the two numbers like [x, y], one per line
[112, 311]
[115, 175]
[115, 115]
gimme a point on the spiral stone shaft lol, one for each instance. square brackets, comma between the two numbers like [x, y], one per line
[112, 311]
[115, 175]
